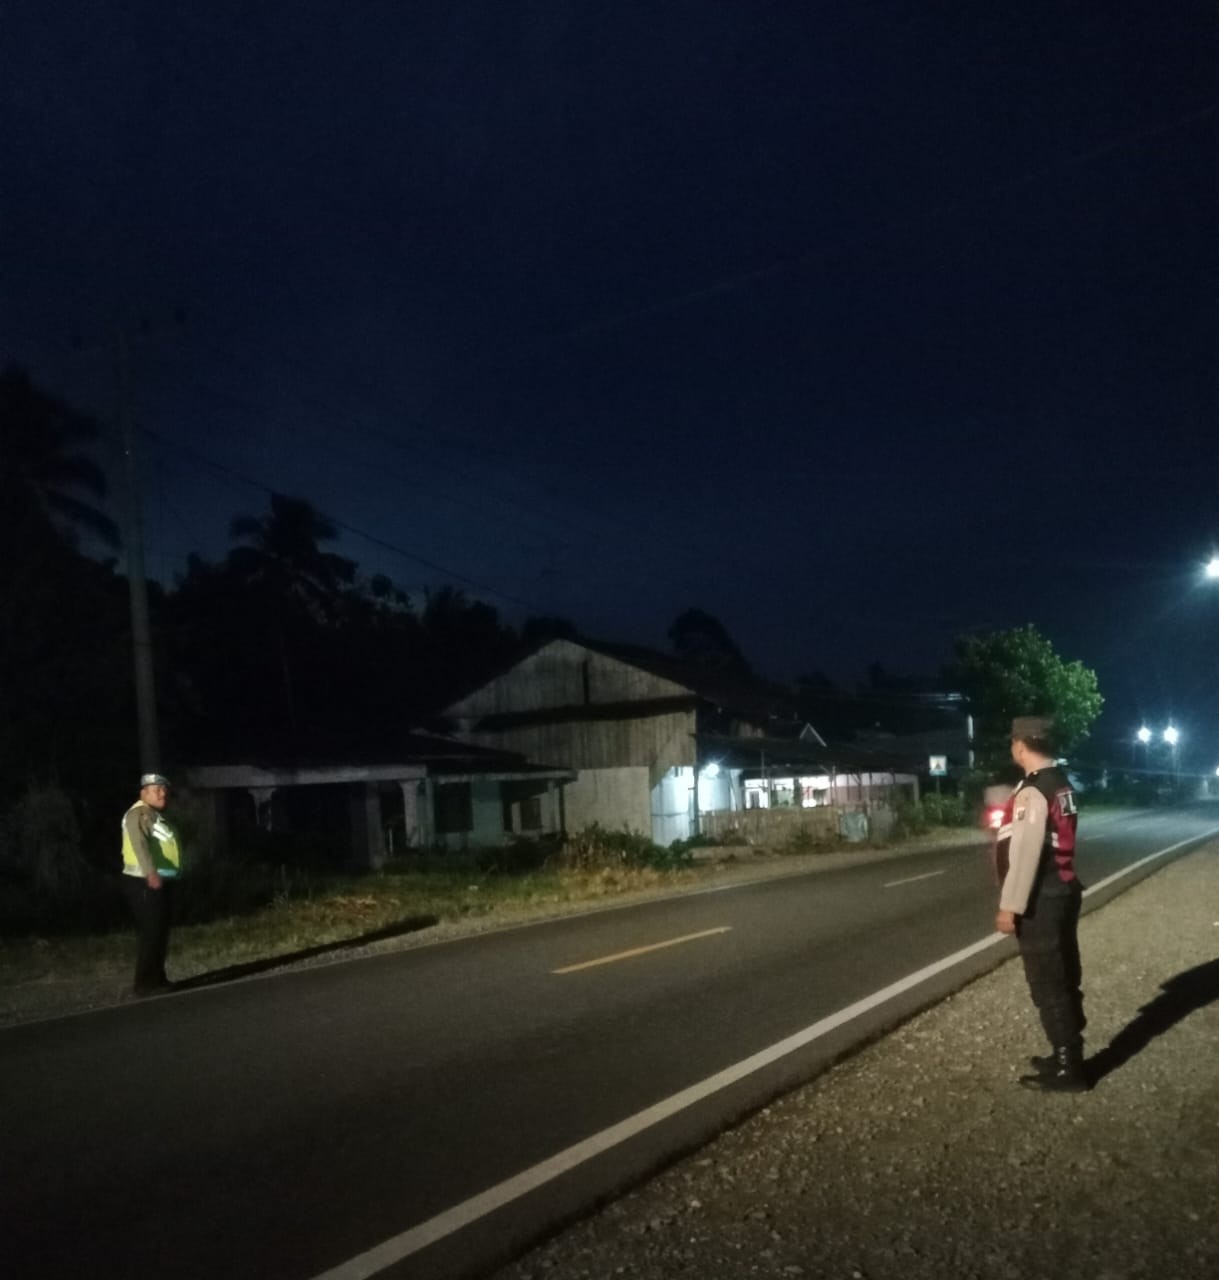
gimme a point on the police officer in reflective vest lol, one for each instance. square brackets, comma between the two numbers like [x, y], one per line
[151, 862]
[1039, 900]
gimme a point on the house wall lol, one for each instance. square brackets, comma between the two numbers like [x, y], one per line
[671, 806]
[624, 763]
[614, 797]
[655, 742]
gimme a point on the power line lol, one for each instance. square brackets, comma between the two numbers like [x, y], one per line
[431, 436]
[744, 279]
[325, 441]
[372, 538]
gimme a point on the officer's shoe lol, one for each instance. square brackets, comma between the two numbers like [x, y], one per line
[1043, 1064]
[143, 990]
[1064, 1074]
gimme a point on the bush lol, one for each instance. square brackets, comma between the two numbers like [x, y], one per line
[700, 841]
[220, 887]
[519, 856]
[46, 883]
[946, 810]
[909, 819]
[45, 837]
[802, 839]
[596, 849]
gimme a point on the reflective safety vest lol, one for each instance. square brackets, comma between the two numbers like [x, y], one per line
[142, 822]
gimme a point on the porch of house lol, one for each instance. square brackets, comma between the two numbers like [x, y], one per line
[364, 814]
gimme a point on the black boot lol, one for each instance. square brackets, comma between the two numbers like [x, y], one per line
[1043, 1064]
[1065, 1073]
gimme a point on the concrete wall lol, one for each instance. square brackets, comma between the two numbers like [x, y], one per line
[773, 828]
[614, 797]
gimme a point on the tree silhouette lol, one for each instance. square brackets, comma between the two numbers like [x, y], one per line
[542, 628]
[42, 468]
[703, 640]
[65, 697]
[298, 587]
[462, 644]
[281, 554]
[1015, 673]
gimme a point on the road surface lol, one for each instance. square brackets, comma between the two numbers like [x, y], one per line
[284, 1127]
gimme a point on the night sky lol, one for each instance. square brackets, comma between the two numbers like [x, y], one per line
[856, 324]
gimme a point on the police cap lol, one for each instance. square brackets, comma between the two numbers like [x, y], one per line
[1033, 728]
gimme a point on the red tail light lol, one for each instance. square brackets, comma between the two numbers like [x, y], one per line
[994, 819]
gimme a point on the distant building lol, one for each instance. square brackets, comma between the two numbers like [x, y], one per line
[636, 726]
[433, 792]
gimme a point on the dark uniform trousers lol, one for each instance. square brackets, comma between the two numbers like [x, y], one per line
[1049, 947]
[151, 909]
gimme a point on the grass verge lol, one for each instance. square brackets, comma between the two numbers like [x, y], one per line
[327, 913]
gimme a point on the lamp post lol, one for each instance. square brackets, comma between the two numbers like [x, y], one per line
[1143, 736]
[1212, 568]
[1172, 736]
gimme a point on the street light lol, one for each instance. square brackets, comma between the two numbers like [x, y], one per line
[1172, 736]
[1212, 567]
[1144, 735]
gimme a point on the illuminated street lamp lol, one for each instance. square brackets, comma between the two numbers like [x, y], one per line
[1142, 738]
[1212, 567]
[1172, 736]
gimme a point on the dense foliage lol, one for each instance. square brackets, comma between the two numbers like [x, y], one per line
[1014, 673]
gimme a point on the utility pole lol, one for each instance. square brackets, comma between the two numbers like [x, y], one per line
[141, 631]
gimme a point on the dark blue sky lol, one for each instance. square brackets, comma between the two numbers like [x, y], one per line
[853, 323]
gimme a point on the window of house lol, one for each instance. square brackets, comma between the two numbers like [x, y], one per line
[454, 808]
[531, 813]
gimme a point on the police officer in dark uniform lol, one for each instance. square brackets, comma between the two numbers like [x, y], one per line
[1039, 900]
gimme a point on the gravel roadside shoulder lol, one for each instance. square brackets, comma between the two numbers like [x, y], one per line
[921, 1157]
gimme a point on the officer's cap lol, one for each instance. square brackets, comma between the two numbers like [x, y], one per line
[1033, 728]
[153, 780]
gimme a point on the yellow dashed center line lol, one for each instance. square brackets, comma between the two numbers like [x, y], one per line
[639, 951]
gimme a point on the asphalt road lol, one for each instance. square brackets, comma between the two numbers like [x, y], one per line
[282, 1127]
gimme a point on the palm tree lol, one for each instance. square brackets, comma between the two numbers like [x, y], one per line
[281, 555]
[282, 561]
[41, 468]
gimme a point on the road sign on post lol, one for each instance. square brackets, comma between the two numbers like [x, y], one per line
[938, 767]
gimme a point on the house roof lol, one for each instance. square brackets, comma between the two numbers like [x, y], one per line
[418, 755]
[799, 753]
[733, 691]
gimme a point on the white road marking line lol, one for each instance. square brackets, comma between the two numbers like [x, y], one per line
[389, 1252]
[639, 951]
[911, 879]
[1151, 857]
